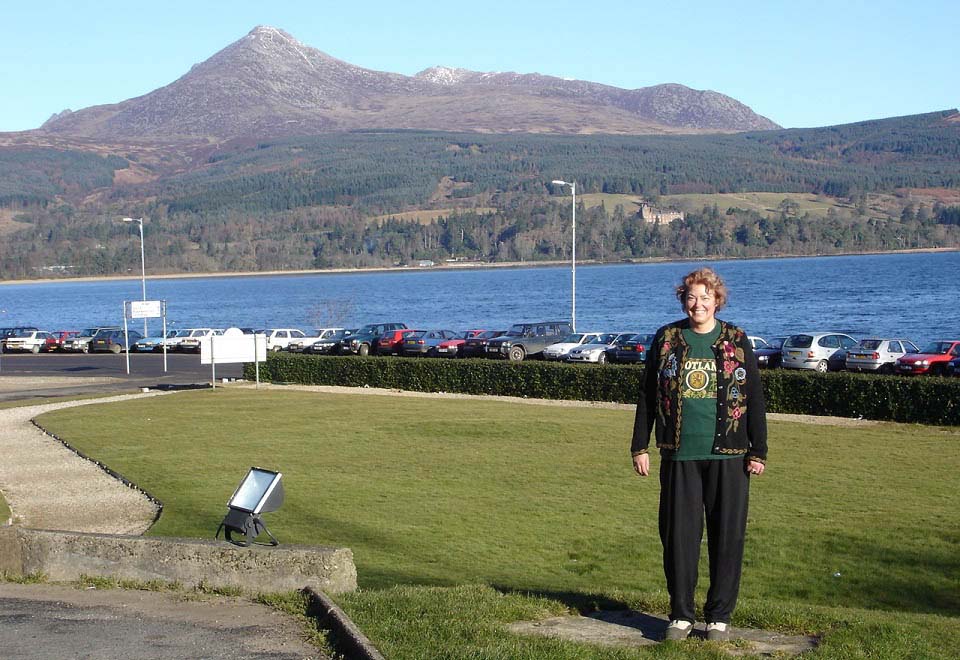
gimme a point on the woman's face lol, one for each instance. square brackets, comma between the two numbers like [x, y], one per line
[700, 305]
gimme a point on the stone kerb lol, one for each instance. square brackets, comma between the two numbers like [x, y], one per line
[68, 555]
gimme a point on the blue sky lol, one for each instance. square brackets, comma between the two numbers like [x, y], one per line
[799, 63]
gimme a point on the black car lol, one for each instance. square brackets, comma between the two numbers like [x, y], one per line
[632, 350]
[113, 341]
[364, 340]
[477, 346]
[329, 345]
[527, 339]
[770, 356]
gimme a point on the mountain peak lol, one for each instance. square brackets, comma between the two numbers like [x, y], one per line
[444, 75]
[267, 83]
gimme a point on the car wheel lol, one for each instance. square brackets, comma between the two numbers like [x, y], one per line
[602, 358]
[822, 367]
[364, 350]
[936, 370]
[86, 348]
[517, 354]
[886, 369]
[115, 349]
[34, 349]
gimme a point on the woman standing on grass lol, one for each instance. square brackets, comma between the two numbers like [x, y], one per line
[702, 387]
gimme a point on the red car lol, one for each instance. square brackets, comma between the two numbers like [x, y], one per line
[55, 340]
[933, 359]
[452, 347]
[391, 341]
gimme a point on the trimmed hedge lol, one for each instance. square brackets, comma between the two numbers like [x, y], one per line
[916, 399]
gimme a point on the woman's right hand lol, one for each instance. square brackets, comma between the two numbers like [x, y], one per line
[641, 464]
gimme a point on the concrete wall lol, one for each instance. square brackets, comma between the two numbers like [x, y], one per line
[68, 555]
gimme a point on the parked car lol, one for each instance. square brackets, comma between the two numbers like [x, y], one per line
[822, 351]
[279, 338]
[300, 345]
[769, 356]
[562, 348]
[113, 341]
[81, 343]
[391, 341]
[329, 345]
[191, 343]
[953, 367]
[149, 344]
[598, 350]
[451, 347]
[59, 337]
[879, 355]
[477, 346]
[524, 340]
[9, 332]
[424, 343]
[173, 341]
[631, 350]
[32, 341]
[933, 359]
[364, 340]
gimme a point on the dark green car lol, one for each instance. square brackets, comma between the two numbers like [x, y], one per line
[527, 339]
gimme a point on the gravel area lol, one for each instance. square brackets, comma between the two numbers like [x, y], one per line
[50, 487]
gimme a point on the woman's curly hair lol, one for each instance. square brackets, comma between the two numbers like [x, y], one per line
[709, 279]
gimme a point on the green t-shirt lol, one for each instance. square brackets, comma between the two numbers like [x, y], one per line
[698, 389]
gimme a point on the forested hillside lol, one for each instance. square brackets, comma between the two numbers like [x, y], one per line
[328, 200]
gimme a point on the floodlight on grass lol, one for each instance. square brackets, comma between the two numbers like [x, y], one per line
[259, 492]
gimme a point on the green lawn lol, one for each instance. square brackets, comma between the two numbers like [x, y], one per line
[463, 514]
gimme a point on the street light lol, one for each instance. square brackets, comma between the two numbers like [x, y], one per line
[573, 254]
[143, 268]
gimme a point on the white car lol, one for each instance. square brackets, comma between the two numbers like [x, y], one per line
[191, 342]
[27, 340]
[279, 338]
[560, 350]
[596, 351]
[299, 345]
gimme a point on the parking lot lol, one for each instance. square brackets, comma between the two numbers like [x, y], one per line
[71, 374]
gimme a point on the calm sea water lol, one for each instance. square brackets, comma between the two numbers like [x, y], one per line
[902, 295]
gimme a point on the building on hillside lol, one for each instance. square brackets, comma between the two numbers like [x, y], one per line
[653, 214]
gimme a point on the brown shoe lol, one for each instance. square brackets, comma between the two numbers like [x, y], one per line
[678, 630]
[718, 632]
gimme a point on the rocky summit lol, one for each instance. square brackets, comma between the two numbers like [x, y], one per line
[270, 84]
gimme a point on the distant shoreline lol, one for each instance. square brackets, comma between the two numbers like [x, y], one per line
[463, 265]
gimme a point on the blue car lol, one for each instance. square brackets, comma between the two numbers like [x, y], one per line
[149, 344]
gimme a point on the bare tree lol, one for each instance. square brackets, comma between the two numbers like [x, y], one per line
[332, 313]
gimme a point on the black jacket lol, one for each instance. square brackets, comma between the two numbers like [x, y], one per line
[741, 416]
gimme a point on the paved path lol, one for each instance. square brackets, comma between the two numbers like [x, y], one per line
[49, 487]
[50, 621]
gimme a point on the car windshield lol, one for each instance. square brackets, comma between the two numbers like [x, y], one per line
[870, 344]
[490, 334]
[776, 342]
[641, 339]
[89, 332]
[574, 338]
[417, 334]
[24, 333]
[937, 348]
[516, 331]
[798, 341]
[605, 338]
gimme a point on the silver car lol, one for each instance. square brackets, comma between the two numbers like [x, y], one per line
[820, 351]
[879, 355]
[596, 351]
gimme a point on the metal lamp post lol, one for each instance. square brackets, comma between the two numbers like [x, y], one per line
[143, 267]
[573, 253]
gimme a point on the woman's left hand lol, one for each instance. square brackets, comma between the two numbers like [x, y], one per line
[755, 467]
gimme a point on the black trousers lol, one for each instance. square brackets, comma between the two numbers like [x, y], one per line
[690, 491]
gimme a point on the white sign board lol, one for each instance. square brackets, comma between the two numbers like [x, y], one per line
[226, 349]
[145, 309]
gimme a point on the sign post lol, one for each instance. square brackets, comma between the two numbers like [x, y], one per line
[146, 309]
[231, 347]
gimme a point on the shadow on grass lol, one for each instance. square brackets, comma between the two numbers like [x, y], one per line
[600, 607]
[922, 581]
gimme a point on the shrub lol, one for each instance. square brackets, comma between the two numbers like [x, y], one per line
[925, 400]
